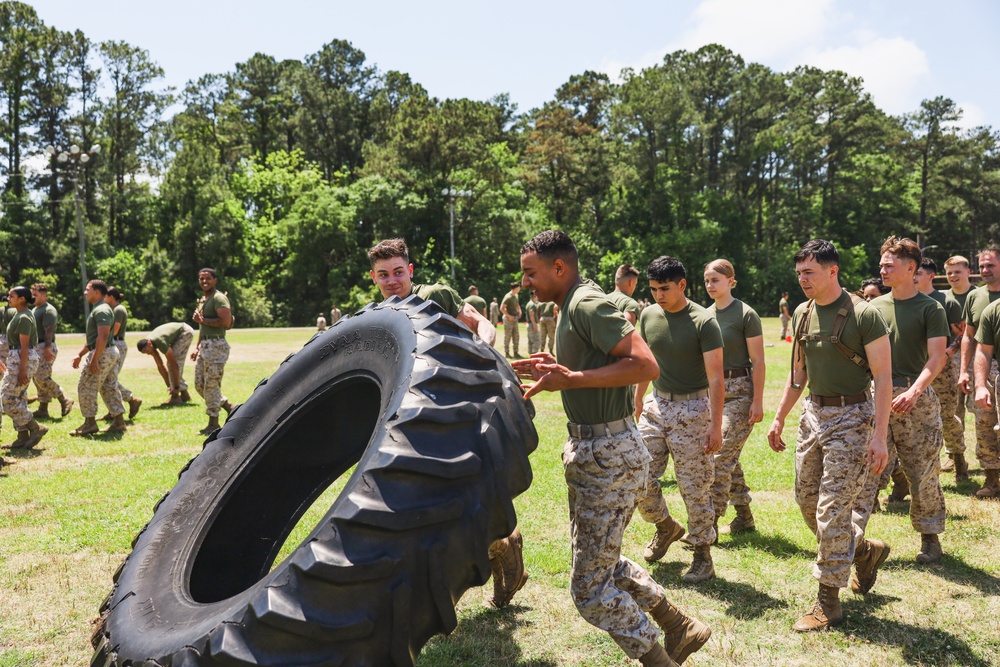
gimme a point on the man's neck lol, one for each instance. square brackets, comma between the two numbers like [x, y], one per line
[930, 290]
[208, 292]
[830, 295]
[961, 288]
[682, 304]
[993, 286]
[904, 291]
[560, 298]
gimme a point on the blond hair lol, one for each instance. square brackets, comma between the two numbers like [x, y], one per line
[956, 259]
[723, 266]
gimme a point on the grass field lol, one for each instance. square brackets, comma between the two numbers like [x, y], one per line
[69, 510]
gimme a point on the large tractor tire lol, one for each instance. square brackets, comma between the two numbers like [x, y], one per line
[436, 423]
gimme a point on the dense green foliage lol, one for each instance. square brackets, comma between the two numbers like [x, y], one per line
[281, 174]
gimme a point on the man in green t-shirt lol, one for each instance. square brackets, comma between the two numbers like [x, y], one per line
[6, 315]
[46, 321]
[531, 317]
[987, 445]
[682, 417]
[988, 337]
[956, 268]
[172, 339]
[918, 334]
[945, 384]
[392, 273]
[18, 367]
[510, 306]
[99, 374]
[626, 280]
[784, 315]
[547, 312]
[214, 316]
[600, 355]
[476, 301]
[118, 329]
[842, 431]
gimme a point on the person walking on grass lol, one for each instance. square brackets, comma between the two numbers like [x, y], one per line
[99, 373]
[744, 370]
[842, 430]
[392, 273]
[46, 322]
[114, 299]
[214, 316]
[599, 356]
[19, 367]
[173, 340]
[510, 306]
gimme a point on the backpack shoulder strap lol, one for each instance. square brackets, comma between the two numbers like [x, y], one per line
[798, 339]
[849, 302]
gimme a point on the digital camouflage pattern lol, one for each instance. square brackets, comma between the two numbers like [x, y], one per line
[735, 431]
[678, 428]
[122, 348]
[4, 348]
[915, 438]
[208, 369]
[510, 333]
[831, 473]
[14, 396]
[987, 447]
[180, 349]
[547, 334]
[47, 388]
[606, 476]
[952, 399]
[103, 382]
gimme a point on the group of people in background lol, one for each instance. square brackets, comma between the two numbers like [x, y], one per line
[28, 350]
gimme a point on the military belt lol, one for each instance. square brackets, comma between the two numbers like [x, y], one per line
[903, 381]
[670, 396]
[838, 401]
[736, 373]
[588, 431]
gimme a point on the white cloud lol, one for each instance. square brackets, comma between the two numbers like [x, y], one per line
[892, 68]
[972, 116]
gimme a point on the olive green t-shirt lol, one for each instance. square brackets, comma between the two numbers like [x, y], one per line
[912, 322]
[782, 305]
[165, 335]
[509, 304]
[121, 315]
[21, 323]
[477, 302]
[7, 313]
[546, 309]
[210, 310]
[589, 328]
[988, 332]
[678, 341]
[46, 316]
[738, 322]
[624, 303]
[531, 308]
[100, 316]
[440, 294]
[960, 299]
[830, 373]
[976, 302]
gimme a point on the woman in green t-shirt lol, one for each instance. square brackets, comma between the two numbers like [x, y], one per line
[743, 366]
[21, 362]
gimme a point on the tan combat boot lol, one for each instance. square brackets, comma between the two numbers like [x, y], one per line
[657, 657]
[227, 406]
[930, 549]
[213, 424]
[991, 487]
[900, 486]
[118, 424]
[42, 412]
[22, 437]
[106, 418]
[507, 564]
[868, 557]
[743, 523]
[185, 396]
[66, 405]
[948, 465]
[133, 407]
[88, 427]
[175, 399]
[682, 635]
[702, 568]
[35, 433]
[826, 613]
[961, 468]
[668, 531]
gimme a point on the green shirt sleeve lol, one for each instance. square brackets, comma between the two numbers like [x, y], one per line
[603, 324]
[987, 332]
[751, 323]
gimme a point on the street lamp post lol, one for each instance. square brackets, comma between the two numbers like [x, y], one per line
[451, 193]
[74, 155]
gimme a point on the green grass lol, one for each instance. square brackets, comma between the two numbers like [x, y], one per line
[68, 515]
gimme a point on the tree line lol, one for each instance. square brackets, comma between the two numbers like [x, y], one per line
[280, 174]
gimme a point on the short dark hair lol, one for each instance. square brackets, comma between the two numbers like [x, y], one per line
[116, 294]
[208, 270]
[553, 244]
[24, 293]
[40, 287]
[877, 282]
[515, 285]
[625, 273]
[473, 288]
[99, 285]
[666, 269]
[143, 344]
[824, 252]
[389, 249]
[928, 264]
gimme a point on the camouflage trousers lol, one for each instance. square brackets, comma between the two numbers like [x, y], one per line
[208, 369]
[4, 349]
[605, 477]
[952, 399]
[533, 337]
[510, 332]
[678, 429]
[47, 388]
[180, 349]
[915, 438]
[729, 485]
[987, 447]
[14, 395]
[122, 348]
[547, 332]
[103, 382]
[831, 472]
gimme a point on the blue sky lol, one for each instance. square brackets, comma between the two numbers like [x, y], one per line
[905, 50]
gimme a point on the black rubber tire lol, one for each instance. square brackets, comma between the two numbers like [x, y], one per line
[435, 420]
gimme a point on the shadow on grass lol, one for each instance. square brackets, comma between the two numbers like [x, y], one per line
[774, 544]
[167, 406]
[920, 645]
[744, 601]
[22, 453]
[486, 637]
[953, 569]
